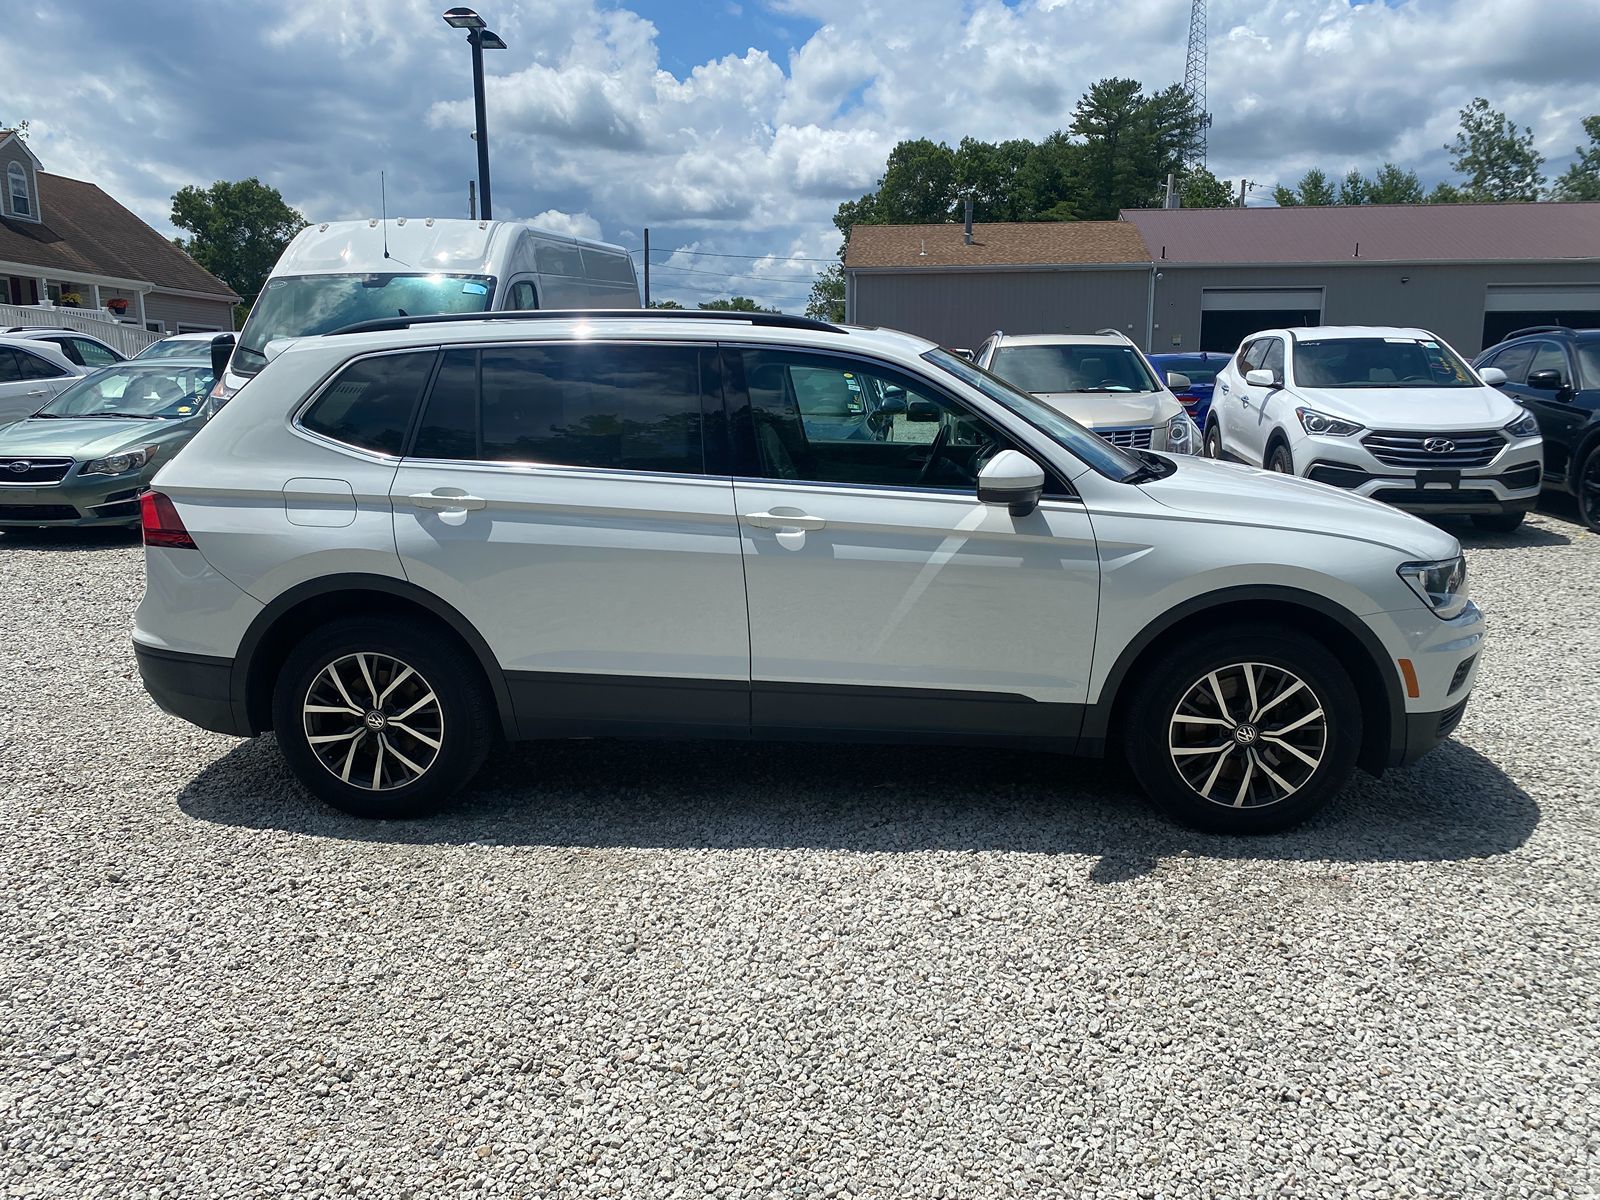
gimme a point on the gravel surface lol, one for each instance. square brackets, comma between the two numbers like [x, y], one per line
[692, 970]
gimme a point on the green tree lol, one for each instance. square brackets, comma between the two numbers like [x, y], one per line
[1392, 185]
[1499, 162]
[736, 304]
[1353, 188]
[918, 184]
[1199, 188]
[827, 295]
[1445, 193]
[237, 230]
[1316, 188]
[665, 304]
[20, 128]
[1581, 181]
[1130, 143]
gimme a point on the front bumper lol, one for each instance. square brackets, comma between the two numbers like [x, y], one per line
[95, 500]
[1444, 657]
[1509, 482]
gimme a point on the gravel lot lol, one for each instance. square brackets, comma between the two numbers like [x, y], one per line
[790, 971]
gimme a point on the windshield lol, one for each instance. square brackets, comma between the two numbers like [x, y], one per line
[172, 392]
[303, 305]
[1391, 362]
[177, 348]
[1101, 368]
[1092, 449]
[1589, 364]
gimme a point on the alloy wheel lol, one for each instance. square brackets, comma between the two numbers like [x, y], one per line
[1589, 491]
[373, 721]
[1248, 735]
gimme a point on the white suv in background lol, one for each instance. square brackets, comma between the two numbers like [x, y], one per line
[1100, 380]
[1394, 414]
[421, 534]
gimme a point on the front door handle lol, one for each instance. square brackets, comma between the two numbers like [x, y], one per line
[447, 500]
[783, 520]
[40, 392]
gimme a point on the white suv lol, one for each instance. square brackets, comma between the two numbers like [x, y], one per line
[1100, 380]
[1394, 414]
[411, 537]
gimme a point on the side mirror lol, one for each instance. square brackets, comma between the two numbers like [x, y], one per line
[1178, 381]
[1546, 381]
[1261, 377]
[922, 410]
[221, 352]
[1493, 376]
[893, 405]
[1012, 479]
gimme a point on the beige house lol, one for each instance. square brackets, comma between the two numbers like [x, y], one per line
[66, 243]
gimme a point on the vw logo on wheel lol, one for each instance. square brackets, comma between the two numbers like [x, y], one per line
[20, 467]
[1438, 445]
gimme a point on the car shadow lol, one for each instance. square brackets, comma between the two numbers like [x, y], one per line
[104, 537]
[1470, 536]
[1454, 804]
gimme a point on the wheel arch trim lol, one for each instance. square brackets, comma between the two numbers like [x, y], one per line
[400, 589]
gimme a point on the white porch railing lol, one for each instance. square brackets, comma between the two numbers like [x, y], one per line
[129, 339]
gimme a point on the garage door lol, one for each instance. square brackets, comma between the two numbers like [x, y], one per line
[1229, 315]
[1517, 307]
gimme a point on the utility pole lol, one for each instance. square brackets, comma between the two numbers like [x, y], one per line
[476, 39]
[1244, 185]
[647, 267]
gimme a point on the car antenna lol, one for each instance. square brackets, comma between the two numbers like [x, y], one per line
[383, 208]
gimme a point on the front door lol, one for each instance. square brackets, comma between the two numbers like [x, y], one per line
[558, 496]
[885, 600]
[1558, 415]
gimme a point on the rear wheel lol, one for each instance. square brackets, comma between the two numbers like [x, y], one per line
[1498, 522]
[1589, 490]
[1213, 442]
[381, 717]
[1248, 733]
[1280, 460]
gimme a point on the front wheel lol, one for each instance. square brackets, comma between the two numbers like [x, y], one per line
[381, 717]
[1589, 490]
[1498, 522]
[1249, 732]
[1280, 460]
[1213, 441]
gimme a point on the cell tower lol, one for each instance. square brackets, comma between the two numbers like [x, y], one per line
[1194, 74]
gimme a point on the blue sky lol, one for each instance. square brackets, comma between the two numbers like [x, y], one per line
[736, 127]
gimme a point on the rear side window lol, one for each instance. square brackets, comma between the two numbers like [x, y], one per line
[554, 258]
[93, 354]
[1273, 361]
[34, 367]
[371, 403]
[606, 267]
[9, 372]
[635, 408]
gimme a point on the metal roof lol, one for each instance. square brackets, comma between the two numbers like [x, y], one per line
[1411, 233]
[999, 244]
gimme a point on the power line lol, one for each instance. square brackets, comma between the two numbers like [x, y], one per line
[753, 257]
[791, 280]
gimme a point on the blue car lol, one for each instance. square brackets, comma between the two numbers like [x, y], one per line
[1201, 366]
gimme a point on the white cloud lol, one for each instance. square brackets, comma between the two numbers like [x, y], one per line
[572, 224]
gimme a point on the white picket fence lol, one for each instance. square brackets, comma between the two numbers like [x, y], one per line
[129, 339]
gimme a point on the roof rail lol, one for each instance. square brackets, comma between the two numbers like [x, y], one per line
[1108, 330]
[1516, 333]
[766, 320]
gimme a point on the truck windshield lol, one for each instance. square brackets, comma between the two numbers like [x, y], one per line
[303, 305]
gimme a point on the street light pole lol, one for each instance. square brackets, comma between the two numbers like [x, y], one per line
[480, 38]
[476, 38]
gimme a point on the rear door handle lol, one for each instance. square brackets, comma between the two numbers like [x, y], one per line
[783, 520]
[40, 392]
[447, 500]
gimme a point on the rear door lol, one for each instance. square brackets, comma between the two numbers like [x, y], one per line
[1248, 422]
[885, 600]
[570, 500]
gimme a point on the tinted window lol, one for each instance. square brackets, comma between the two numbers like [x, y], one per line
[370, 404]
[449, 426]
[93, 354]
[523, 296]
[835, 420]
[1514, 360]
[607, 267]
[1589, 363]
[34, 367]
[1550, 357]
[553, 258]
[1273, 361]
[68, 347]
[634, 408]
[9, 372]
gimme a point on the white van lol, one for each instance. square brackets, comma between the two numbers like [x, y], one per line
[341, 272]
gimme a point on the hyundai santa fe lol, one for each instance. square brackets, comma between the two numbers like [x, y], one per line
[413, 537]
[1385, 412]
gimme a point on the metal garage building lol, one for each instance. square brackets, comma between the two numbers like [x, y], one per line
[1181, 279]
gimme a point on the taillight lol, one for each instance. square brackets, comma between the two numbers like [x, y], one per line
[162, 526]
[1188, 403]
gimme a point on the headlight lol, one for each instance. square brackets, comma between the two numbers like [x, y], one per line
[120, 464]
[1441, 585]
[1313, 421]
[1183, 435]
[1525, 426]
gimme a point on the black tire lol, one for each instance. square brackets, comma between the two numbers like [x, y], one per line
[1213, 440]
[1274, 657]
[1588, 489]
[461, 713]
[1498, 522]
[1279, 459]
